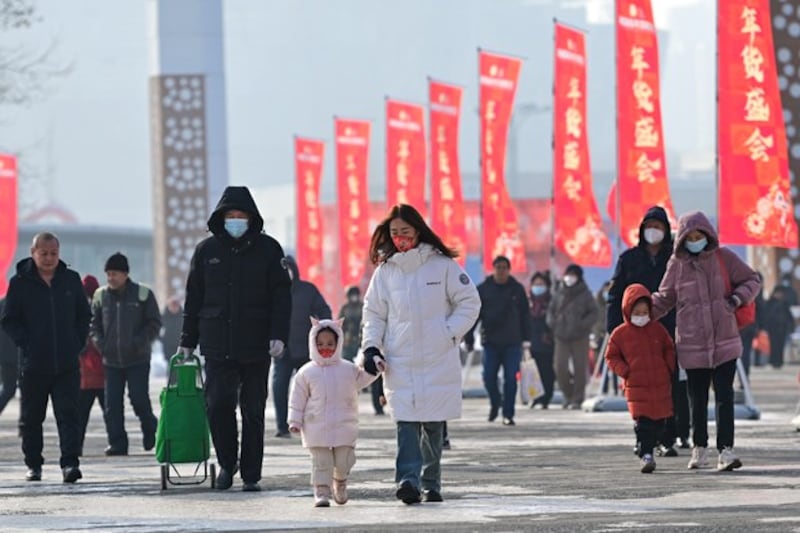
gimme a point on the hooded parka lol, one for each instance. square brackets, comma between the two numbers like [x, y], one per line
[645, 358]
[324, 398]
[706, 334]
[238, 291]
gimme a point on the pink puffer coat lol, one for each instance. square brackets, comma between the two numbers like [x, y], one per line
[324, 398]
[706, 334]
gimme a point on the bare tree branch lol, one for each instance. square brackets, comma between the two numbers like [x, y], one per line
[24, 74]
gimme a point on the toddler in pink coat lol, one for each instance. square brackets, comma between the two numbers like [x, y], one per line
[323, 407]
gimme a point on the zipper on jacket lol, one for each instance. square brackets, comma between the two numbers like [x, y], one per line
[55, 332]
[119, 332]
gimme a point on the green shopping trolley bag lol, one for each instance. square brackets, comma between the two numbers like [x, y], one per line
[183, 434]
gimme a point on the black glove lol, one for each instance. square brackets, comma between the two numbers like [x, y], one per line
[369, 362]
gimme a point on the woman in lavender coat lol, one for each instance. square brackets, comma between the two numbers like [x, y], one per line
[706, 334]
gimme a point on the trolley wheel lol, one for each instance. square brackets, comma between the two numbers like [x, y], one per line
[164, 473]
[212, 470]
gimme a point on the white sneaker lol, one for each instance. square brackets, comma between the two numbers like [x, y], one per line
[699, 458]
[728, 460]
[340, 491]
[322, 494]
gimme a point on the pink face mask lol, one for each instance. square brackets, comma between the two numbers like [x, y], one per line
[403, 243]
[326, 353]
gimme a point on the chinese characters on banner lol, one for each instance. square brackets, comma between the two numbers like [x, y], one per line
[578, 226]
[405, 154]
[641, 164]
[8, 217]
[352, 149]
[447, 202]
[308, 170]
[501, 233]
[755, 205]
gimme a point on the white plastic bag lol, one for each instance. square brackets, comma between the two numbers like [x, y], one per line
[530, 382]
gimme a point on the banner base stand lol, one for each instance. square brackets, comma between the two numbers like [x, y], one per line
[604, 404]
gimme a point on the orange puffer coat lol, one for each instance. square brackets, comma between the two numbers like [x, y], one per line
[645, 358]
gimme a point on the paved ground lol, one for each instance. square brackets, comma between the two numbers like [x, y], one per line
[556, 470]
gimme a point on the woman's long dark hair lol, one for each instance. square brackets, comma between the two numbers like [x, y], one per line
[381, 246]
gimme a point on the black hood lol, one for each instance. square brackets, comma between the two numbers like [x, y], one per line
[291, 264]
[235, 198]
[657, 213]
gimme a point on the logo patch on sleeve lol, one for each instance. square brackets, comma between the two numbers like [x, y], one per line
[464, 279]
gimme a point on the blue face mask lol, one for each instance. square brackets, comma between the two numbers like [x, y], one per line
[538, 290]
[236, 227]
[697, 246]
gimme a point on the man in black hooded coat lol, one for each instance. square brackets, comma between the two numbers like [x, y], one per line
[307, 301]
[646, 263]
[237, 308]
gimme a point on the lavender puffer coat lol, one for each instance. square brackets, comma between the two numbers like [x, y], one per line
[706, 334]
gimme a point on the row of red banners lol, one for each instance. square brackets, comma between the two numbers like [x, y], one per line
[754, 201]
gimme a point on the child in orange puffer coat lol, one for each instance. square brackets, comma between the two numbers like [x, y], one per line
[641, 352]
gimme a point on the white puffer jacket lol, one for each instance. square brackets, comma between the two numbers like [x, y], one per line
[417, 307]
[324, 398]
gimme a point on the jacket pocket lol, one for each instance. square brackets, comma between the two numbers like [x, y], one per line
[212, 328]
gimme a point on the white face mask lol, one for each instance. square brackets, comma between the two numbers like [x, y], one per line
[640, 320]
[653, 235]
[570, 280]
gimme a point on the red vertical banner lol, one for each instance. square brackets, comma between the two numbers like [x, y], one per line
[405, 154]
[501, 233]
[641, 162]
[755, 204]
[447, 202]
[352, 151]
[308, 155]
[8, 217]
[578, 225]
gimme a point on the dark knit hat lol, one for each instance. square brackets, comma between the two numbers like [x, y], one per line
[90, 284]
[574, 269]
[117, 262]
[501, 259]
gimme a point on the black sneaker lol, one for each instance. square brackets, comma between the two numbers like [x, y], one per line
[432, 496]
[71, 474]
[110, 450]
[251, 486]
[408, 493]
[281, 434]
[446, 444]
[33, 474]
[666, 451]
[225, 478]
[508, 422]
[493, 413]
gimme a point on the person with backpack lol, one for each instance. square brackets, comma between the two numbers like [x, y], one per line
[707, 282]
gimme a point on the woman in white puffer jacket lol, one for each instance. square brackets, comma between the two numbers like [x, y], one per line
[323, 406]
[418, 306]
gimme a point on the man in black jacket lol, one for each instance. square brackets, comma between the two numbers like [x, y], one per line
[237, 307]
[125, 322]
[306, 302]
[47, 315]
[505, 327]
[646, 263]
